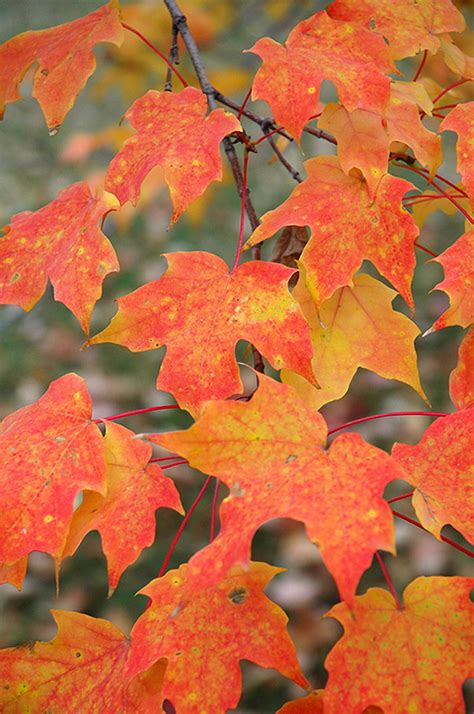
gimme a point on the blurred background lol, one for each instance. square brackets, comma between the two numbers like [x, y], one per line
[40, 346]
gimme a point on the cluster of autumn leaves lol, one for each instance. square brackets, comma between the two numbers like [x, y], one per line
[269, 450]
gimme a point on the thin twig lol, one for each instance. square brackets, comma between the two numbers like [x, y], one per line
[284, 161]
[173, 58]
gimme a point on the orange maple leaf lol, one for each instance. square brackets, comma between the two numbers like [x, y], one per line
[426, 643]
[318, 49]
[174, 132]
[458, 266]
[270, 453]
[364, 136]
[441, 467]
[347, 227]
[461, 120]
[124, 531]
[61, 241]
[356, 327]
[205, 631]
[50, 451]
[409, 25]
[81, 669]
[252, 303]
[461, 379]
[64, 58]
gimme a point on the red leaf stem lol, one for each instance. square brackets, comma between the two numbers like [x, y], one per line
[162, 458]
[388, 579]
[442, 191]
[158, 52]
[178, 463]
[382, 416]
[421, 65]
[134, 412]
[448, 89]
[399, 498]
[183, 525]
[214, 510]
[247, 97]
[461, 548]
[427, 250]
[265, 136]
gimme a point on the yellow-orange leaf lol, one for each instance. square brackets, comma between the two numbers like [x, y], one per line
[251, 303]
[269, 452]
[364, 136]
[65, 61]
[318, 49]
[427, 644]
[49, 451]
[312, 704]
[174, 132]
[461, 379]
[62, 241]
[80, 670]
[357, 327]
[441, 467]
[409, 25]
[125, 516]
[458, 283]
[14, 573]
[347, 227]
[461, 120]
[205, 631]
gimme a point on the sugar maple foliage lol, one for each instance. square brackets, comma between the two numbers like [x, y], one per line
[63, 474]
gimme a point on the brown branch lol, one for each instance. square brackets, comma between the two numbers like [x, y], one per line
[173, 58]
[284, 161]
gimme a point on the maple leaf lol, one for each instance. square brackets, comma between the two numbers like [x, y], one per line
[125, 529]
[65, 61]
[174, 132]
[205, 631]
[49, 451]
[427, 641]
[461, 379]
[269, 452]
[356, 327]
[441, 468]
[461, 120]
[458, 266]
[81, 669]
[409, 25]
[251, 303]
[62, 240]
[311, 704]
[347, 227]
[14, 573]
[364, 136]
[457, 60]
[318, 49]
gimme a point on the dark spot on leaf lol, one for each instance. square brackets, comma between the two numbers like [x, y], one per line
[290, 458]
[15, 277]
[78, 655]
[238, 596]
[45, 72]
[168, 707]
[6, 686]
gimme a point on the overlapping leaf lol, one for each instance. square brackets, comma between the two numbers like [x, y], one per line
[14, 573]
[312, 704]
[174, 132]
[409, 25]
[269, 452]
[49, 451]
[427, 644]
[125, 516]
[461, 120]
[81, 669]
[347, 227]
[65, 61]
[205, 631]
[62, 241]
[441, 468]
[461, 379]
[458, 266]
[364, 136]
[200, 311]
[356, 327]
[318, 49]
